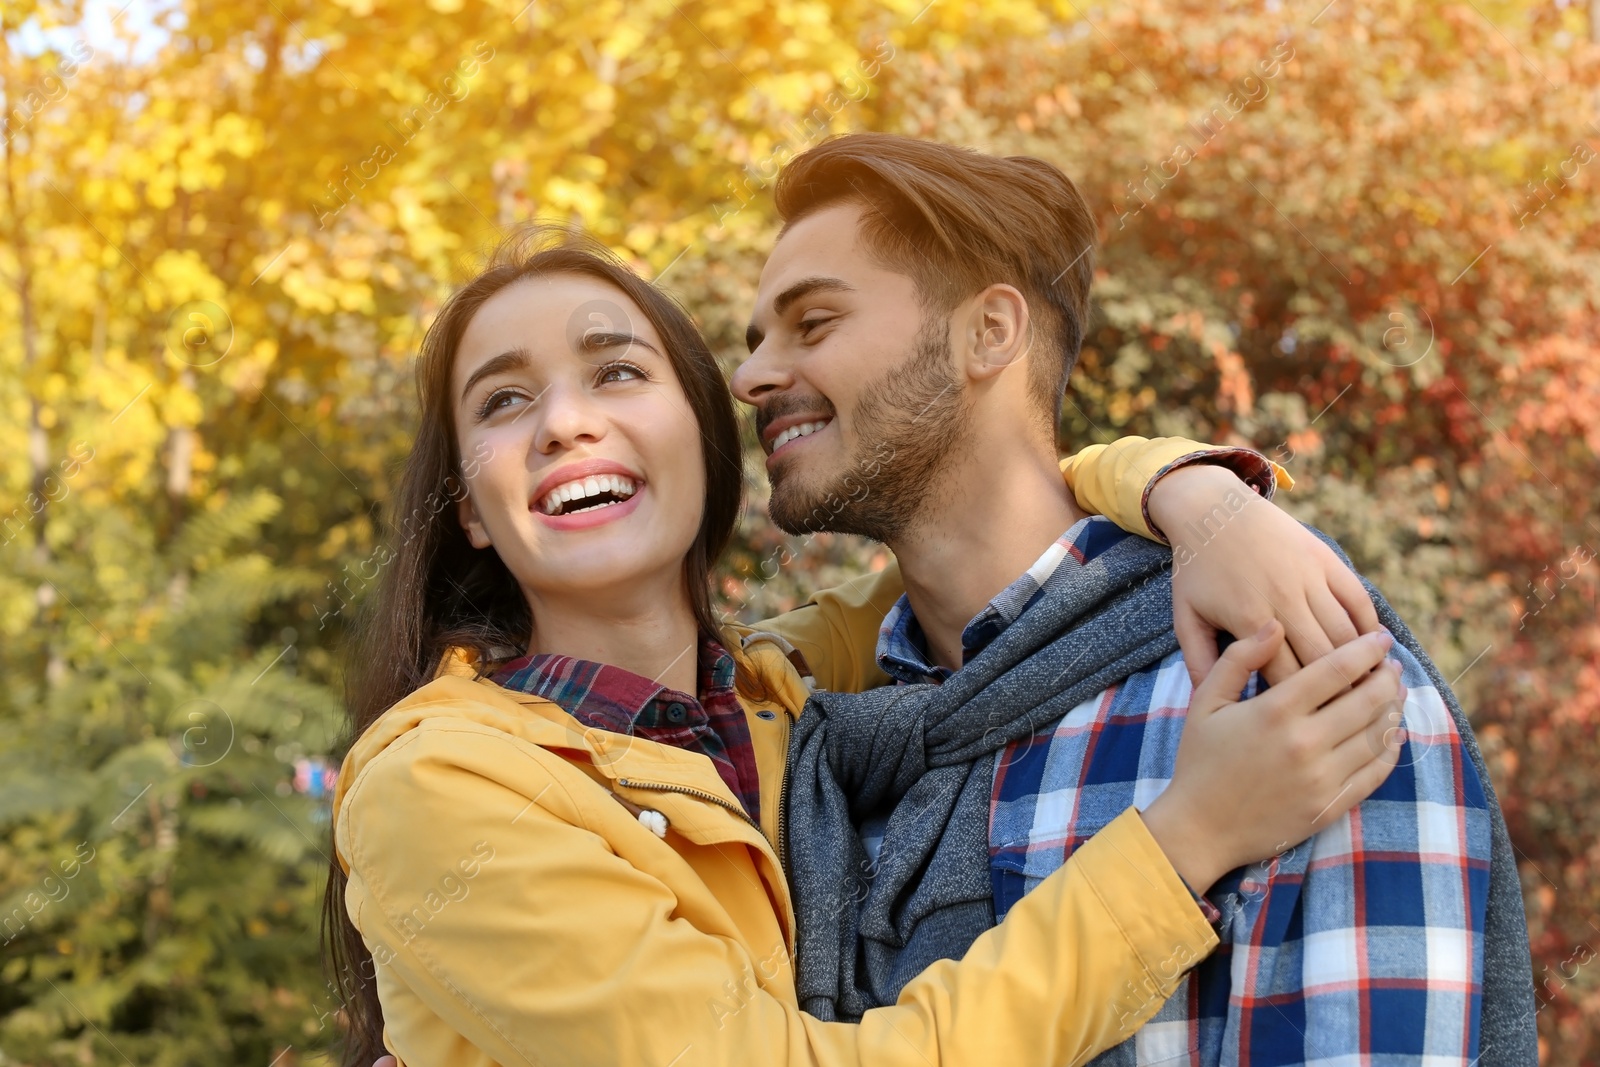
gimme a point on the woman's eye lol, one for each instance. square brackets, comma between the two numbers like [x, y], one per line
[499, 400]
[620, 372]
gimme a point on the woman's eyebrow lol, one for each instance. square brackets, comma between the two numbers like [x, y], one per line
[593, 340]
[511, 359]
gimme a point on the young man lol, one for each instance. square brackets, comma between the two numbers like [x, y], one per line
[913, 335]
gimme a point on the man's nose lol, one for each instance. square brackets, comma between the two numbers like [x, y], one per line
[760, 375]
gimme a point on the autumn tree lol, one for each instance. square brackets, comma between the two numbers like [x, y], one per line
[1359, 238]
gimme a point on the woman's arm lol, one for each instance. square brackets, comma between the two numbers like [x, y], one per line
[1238, 563]
[518, 915]
[558, 950]
[837, 629]
[1119, 480]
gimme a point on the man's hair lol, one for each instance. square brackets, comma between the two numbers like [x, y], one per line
[957, 221]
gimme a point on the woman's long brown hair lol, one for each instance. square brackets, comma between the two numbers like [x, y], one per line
[438, 592]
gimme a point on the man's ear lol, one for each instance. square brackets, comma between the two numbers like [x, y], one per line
[997, 334]
[468, 515]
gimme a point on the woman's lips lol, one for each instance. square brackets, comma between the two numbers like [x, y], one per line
[584, 520]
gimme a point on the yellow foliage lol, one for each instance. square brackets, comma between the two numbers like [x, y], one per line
[289, 165]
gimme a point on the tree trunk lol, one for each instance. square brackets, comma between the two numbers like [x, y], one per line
[38, 439]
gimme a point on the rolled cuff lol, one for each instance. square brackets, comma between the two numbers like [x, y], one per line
[1262, 475]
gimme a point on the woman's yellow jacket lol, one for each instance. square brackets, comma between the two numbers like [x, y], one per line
[519, 911]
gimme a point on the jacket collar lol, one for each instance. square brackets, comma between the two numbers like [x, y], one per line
[460, 691]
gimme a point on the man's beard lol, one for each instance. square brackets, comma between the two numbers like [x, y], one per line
[910, 422]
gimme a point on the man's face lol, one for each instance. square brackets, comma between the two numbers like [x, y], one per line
[858, 405]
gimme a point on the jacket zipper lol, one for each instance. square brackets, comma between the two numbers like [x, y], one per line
[783, 838]
[783, 794]
[663, 787]
[783, 845]
[782, 848]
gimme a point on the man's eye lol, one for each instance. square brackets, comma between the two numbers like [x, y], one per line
[807, 325]
[620, 372]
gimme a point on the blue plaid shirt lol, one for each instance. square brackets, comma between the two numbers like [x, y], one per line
[1362, 946]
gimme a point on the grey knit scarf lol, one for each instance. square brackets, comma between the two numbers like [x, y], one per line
[925, 753]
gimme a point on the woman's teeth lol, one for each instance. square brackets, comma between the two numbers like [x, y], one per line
[802, 430]
[586, 494]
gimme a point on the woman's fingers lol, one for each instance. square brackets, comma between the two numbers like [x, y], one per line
[1197, 640]
[1283, 666]
[1305, 632]
[1362, 733]
[1372, 769]
[1352, 596]
[1336, 625]
[1336, 611]
[1366, 781]
[1317, 683]
[1227, 679]
[1362, 717]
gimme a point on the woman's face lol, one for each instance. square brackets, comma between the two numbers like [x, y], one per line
[585, 463]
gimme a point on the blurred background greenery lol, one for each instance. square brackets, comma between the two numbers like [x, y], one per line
[1360, 238]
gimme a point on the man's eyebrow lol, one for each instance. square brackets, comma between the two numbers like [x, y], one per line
[800, 289]
[511, 359]
[805, 287]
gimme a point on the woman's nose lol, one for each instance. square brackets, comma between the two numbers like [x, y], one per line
[569, 417]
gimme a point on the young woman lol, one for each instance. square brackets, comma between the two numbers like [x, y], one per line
[556, 826]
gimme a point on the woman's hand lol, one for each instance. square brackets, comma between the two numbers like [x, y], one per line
[1255, 776]
[1239, 562]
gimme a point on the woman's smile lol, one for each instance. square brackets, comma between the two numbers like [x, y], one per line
[588, 493]
[589, 502]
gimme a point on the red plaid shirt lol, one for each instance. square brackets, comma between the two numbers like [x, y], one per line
[609, 698]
